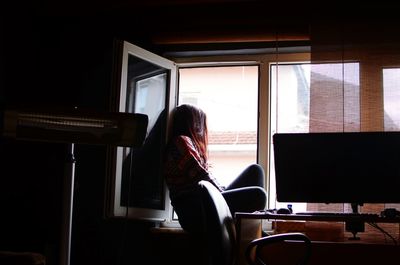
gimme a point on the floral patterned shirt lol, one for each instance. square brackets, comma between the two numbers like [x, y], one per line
[184, 167]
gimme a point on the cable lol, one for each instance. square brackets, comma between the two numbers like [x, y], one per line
[376, 226]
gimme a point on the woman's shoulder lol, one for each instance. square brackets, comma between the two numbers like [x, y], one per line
[183, 139]
[183, 142]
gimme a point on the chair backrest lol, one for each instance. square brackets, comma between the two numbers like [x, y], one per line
[220, 232]
[255, 250]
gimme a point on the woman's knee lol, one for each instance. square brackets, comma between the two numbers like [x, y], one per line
[246, 199]
[260, 196]
[256, 172]
[256, 169]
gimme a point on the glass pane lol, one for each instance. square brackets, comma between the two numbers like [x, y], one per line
[290, 107]
[334, 97]
[391, 89]
[229, 97]
[290, 98]
[313, 98]
[142, 183]
[391, 99]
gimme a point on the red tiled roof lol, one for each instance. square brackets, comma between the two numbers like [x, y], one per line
[239, 137]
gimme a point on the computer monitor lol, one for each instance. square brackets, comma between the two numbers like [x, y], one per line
[347, 167]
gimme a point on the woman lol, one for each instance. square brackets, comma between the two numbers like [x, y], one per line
[186, 164]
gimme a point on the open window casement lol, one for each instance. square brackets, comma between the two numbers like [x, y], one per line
[144, 83]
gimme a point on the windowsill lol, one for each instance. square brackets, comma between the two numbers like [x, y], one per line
[171, 227]
[170, 224]
[167, 230]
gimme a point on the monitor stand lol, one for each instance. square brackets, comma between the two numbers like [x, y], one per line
[355, 226]
[354, 207]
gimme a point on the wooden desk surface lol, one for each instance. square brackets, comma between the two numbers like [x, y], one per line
[329, 218]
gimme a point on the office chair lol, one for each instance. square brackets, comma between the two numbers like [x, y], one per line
[220, 231]
[219, 226]
[255, 251]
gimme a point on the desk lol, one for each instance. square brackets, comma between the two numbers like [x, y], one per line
[357, 220]
[354, 223]
[325, 218]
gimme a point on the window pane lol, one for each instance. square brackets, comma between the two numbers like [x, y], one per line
[313, 98]
[141, 180]
[391, 90]
[334, 97]
[229, 97]
[290, 98]
[290, 107]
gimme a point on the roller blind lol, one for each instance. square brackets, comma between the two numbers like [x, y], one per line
[354, 86]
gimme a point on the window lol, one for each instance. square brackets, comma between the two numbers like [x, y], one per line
[232, 89]
[312, 98]
[137, 188]
[232, 123]
[247, 99]
[229, 97]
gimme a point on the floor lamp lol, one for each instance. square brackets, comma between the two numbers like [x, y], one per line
[74, 127]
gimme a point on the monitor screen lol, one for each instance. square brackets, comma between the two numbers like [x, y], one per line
[342, 167]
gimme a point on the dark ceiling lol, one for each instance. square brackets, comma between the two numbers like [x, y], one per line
[175, 22]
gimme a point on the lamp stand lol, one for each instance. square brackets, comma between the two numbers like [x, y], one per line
[68, 202]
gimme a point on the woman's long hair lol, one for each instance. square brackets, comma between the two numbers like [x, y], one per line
[191, 121]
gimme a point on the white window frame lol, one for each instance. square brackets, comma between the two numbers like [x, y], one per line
[264, 61]
[165, 217]
[114, 208]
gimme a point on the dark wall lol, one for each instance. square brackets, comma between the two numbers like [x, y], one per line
[62, 61]
[30, 195]
[66, 60]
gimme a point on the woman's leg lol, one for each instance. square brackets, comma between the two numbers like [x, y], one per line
[247, 199]
[253, 175]
[246, 193]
